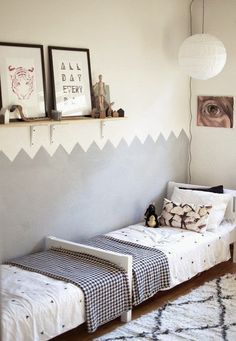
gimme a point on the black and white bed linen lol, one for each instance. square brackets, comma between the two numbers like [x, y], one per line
[37, 307]
[150, 266]
[188, 252]
[105, 285]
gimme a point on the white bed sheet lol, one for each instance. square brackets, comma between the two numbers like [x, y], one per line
[180, 247]
[36, 307]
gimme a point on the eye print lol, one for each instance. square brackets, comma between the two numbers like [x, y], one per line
[215, 111]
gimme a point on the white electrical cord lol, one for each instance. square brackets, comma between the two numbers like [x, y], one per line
[190, 108]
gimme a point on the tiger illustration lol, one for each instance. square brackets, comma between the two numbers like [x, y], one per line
[22, 81]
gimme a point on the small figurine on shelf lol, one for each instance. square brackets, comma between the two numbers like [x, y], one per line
[115, 114]
[121, 112]
[18, 110]
[95, 113]
[100, 92]
[150, 216]
[109, 110]
[21, 113]
[102, 107]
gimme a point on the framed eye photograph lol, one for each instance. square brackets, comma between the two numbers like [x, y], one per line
[22, 79]
[71, 81]
[215, 111]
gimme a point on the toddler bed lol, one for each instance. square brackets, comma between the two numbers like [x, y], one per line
[34, 313]
[188, 252]
[37, 307]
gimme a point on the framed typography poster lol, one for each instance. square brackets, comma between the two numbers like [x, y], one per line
[71, 81]
[22, 79]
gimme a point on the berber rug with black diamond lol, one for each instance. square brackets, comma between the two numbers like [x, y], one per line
[205, 314]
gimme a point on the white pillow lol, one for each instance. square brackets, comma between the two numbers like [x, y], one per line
[185, 216]
[219, 203]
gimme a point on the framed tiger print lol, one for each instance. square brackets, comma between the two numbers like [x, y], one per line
[22, 80]
[71, 81]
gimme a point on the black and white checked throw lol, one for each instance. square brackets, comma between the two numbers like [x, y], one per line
[150, 266]
[105, 285]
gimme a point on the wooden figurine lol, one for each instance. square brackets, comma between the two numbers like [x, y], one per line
[99, 90]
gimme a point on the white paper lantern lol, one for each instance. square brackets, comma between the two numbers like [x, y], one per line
[202, 56]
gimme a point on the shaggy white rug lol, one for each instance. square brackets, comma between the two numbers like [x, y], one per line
[207, 313]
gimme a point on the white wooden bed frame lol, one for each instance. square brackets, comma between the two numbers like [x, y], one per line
[125, 261]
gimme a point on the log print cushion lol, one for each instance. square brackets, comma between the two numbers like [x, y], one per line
[186, 216]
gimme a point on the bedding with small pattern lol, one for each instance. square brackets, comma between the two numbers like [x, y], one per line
[150, 266]
[105, 285]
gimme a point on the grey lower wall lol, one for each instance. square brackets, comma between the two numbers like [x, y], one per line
[85, 193]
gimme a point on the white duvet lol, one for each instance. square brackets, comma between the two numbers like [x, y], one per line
[36, 307]
[180, 247]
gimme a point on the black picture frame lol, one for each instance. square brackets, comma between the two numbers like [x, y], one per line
[71, 81]
[22, 79]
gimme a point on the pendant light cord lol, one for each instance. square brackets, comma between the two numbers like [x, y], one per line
[191, 18]
[190, 107]
[203, 16]
[190, 132]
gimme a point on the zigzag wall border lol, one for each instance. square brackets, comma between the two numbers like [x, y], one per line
[32, 152]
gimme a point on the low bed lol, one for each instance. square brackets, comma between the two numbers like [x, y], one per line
[37, 307]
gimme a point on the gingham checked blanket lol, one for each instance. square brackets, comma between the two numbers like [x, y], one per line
[105, 285]
[150, 266]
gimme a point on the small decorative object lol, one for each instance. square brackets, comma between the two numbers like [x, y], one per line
[215, 111]
[152, 221]
[109, 110]
[95, 113]
[202, 56]
[115, 114]
[102, 107]
[121, 112]
[102, 114]
[22, 78]
[71, 80]
[150, 216]
[4, 116]
[101, 95]
[56, 115]
[18, 111]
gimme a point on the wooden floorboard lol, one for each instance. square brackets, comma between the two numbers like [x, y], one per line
[80, 333]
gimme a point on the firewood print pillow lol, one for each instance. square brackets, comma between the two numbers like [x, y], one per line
[186, 216]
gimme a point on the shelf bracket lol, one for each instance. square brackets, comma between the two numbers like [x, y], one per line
[103, 125]
[32, 135]
[52, 133]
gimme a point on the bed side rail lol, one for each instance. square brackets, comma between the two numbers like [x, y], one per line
[124, 261]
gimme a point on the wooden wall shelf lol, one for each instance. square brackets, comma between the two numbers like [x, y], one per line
[33, 125]
[49, 122]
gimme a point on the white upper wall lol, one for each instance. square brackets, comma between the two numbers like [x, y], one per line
[133, 43]
[213, 149]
